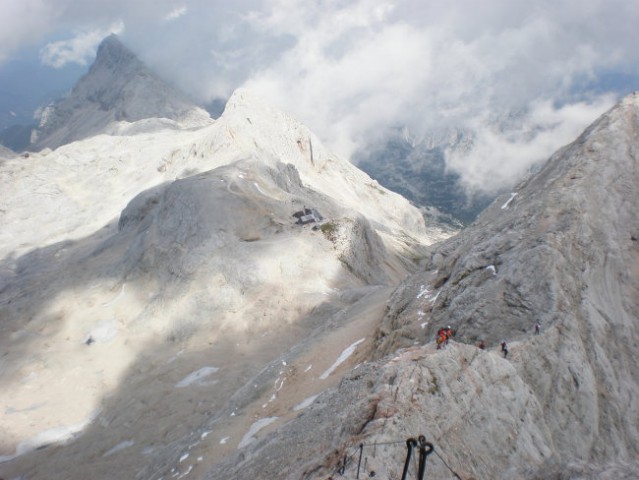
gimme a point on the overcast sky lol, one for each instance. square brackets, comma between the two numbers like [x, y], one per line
[350, 69]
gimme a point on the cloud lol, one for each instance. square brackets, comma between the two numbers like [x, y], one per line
[80, 49]
[25, 23]
[500, 156]
[353, 69]
[176, 13]
[20, 23]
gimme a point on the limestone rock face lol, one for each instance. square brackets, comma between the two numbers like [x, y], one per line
[562, 251]
[118, 89]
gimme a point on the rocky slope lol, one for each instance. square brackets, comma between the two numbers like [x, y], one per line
[156, 284]
[561, 250]
[117, 88]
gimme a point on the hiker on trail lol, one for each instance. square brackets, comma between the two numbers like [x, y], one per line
[537, 328]
[441, 338]
[504, 348]
[443, 335]
[482, 344]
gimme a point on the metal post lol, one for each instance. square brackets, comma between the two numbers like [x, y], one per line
[410, 444]
[359, 462]
[425, 449]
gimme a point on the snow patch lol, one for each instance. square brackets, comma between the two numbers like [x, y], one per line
[118, 447]
[256, 427]
[117, 297]
[342, 358]
[279, 380]
[188, 470]
[197, 378]
[103, 333]
[305, 403]
[57, 435]
[423, 290]
[505, 205]
[259, 189]
[427, 294]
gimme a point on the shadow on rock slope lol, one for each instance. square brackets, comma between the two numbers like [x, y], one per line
[561, 250]
[210, 271]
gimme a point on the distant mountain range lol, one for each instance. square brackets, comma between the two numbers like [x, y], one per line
[417, 170]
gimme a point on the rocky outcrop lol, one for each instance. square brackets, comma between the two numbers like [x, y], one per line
[560, 250]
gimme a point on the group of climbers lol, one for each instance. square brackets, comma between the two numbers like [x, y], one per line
[446, 333]
[443, 335]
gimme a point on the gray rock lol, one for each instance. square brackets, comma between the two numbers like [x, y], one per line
[563, 251]
[118, 87]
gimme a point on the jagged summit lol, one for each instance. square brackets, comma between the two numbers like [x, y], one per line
[112, 53]
[117, 88]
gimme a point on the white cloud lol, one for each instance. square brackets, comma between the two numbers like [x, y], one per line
[176, 13]
[80, 49]
[353, 71]
[499, 157]
[21, 22]
[350, 69]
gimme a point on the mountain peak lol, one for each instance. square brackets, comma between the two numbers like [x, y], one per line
[112, 53]
[118, 87]
[111, 39]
